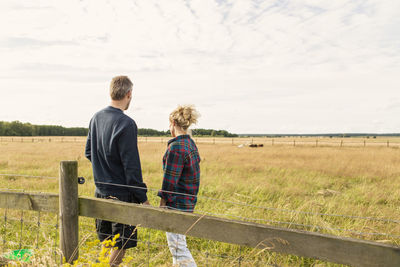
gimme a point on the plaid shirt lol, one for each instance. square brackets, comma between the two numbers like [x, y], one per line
[181, 173]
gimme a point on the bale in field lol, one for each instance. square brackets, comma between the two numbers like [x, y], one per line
[181, 165]
[256, 145]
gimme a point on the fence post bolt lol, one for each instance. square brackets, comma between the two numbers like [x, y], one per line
[69, 211]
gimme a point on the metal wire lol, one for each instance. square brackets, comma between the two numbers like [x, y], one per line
[224, 201]
[22, 224]
[290, 223]
[21, 190]
[202, 253]
[29, 222]
[255, 206]
[55, 239]
[38, 231]
[26, 176]
[5, 228]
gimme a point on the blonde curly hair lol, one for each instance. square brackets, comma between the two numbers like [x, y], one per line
[184, 116]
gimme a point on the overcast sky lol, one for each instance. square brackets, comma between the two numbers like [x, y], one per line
[274, 66]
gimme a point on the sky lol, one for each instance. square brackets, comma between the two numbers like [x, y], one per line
[249, 66]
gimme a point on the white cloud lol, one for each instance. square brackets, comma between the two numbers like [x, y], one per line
[250, 66]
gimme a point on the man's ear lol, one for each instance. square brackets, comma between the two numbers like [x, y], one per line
[129, 94]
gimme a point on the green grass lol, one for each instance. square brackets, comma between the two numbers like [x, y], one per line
[364, 181]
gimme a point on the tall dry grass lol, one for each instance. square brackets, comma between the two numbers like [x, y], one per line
[359, 181]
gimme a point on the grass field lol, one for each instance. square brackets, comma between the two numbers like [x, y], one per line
[359, 181]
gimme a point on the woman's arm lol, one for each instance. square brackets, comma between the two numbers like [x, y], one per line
[173, 168]
[163, 203]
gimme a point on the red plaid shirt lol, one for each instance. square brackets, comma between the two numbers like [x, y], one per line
[181, 173]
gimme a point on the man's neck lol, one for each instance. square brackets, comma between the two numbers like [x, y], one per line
[117, 104]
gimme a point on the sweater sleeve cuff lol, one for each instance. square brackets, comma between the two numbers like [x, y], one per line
[166, 196]
[142, 197]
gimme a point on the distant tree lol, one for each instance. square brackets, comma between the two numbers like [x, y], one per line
[17, 128]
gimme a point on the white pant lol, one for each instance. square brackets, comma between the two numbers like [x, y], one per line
[181, 255]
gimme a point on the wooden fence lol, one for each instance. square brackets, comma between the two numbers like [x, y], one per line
[70, 206]
[315, 142]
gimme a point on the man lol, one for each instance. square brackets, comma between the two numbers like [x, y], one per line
[112, 149]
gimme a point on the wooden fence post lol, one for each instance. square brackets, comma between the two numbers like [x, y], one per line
[364, 143]
[69, 211]
[341, 143]
[316, 142]
[388, 143]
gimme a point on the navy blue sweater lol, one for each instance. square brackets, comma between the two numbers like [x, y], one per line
[112, 148]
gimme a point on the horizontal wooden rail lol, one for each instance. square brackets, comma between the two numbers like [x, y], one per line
[302, 243]
[23, 201]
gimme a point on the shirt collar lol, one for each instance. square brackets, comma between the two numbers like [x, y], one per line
[116, 109]
[179, 137]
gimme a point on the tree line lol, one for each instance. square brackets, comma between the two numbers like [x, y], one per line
[16, 128]
[195, 132]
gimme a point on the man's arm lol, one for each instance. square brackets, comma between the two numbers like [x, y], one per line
[129, 154]
[88, 148]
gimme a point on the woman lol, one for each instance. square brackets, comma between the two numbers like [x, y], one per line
[181, 175]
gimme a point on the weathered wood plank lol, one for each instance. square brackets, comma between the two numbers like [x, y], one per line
[307, 244]
[24, 201]
[69, 212]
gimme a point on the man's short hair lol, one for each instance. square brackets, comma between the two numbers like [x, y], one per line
[119, 87]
